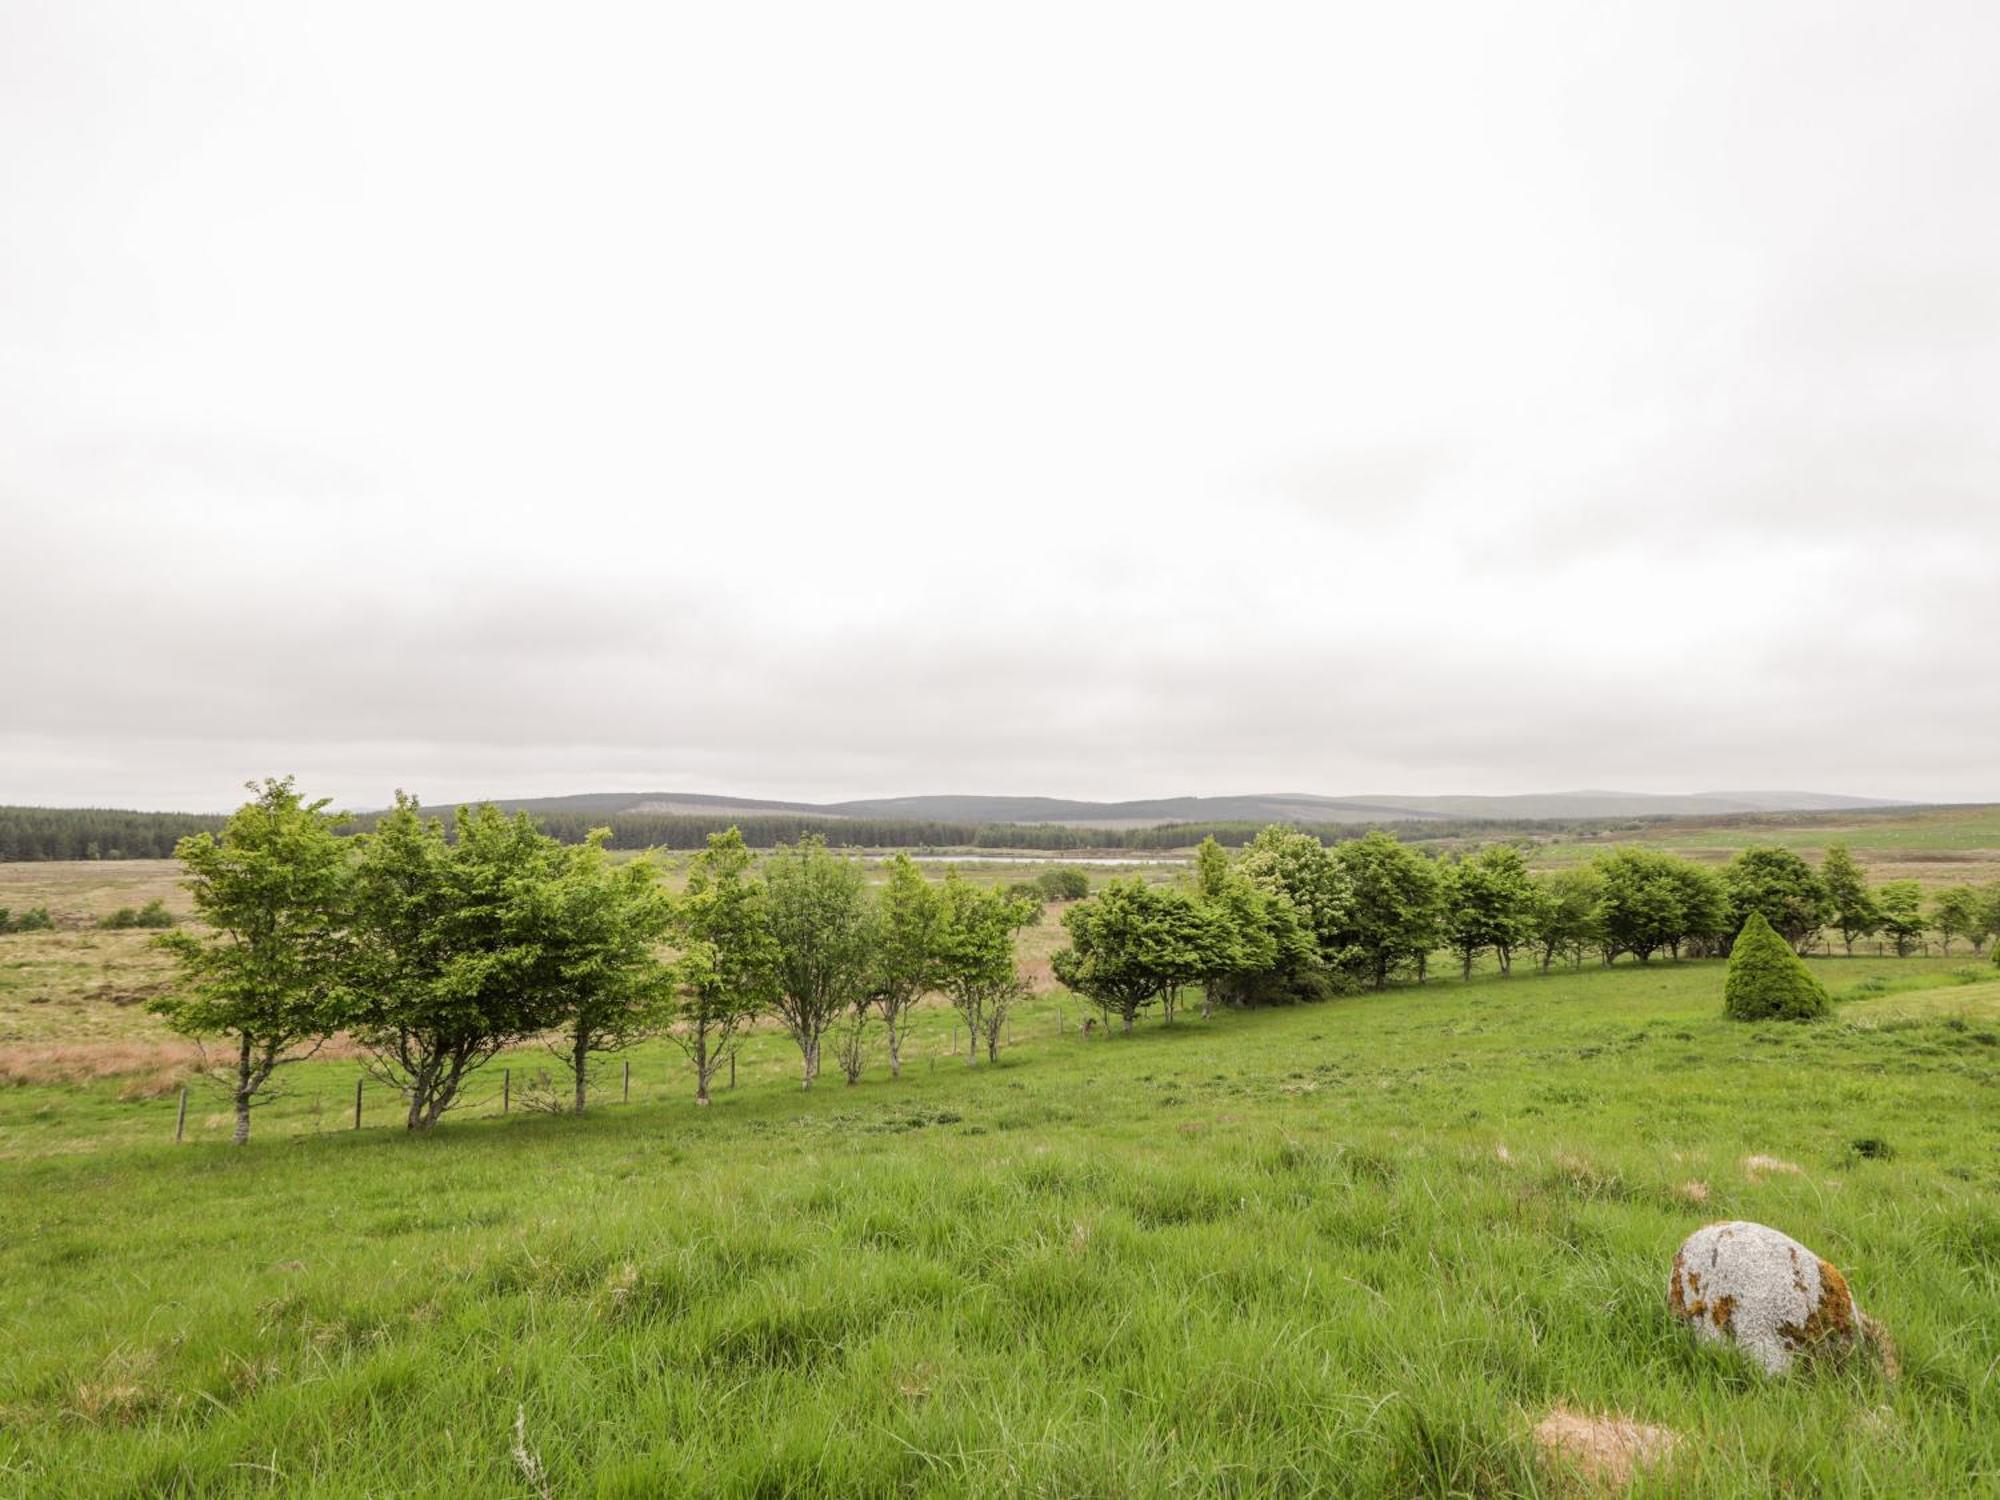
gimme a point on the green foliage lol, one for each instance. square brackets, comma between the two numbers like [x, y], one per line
[1962, 911]
[1263, 953]
[1031, 892]
[1900, 906]
[905, 952]
[271, 891]
[817, 909]
[1566, 916]
[1396, 908]
[1767, 981]
[40, 833]
[453, 956]
[1065, 883]
[1297, 866]
[973, 957]
[1134, 945]
[153, 914]
[34, 919]
[727, 969]
[1851, 906]
[1489, 904]
[1643, 909]
[1781, 887]
[599, 924]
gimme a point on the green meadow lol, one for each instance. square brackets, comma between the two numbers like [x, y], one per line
[1356, 1247]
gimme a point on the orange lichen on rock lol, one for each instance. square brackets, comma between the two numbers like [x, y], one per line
[1749, 1286]
[1831, 1321]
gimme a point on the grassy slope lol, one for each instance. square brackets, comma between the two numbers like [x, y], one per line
[1277, 1253]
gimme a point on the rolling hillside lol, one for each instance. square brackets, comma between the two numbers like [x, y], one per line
[1276, 807]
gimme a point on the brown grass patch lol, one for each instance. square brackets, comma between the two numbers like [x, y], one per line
[23, 1063]
[1695, 1193]
[1606, 1451]
[1756, 1168]
[152, 1068]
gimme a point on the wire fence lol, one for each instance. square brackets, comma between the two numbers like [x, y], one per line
[526, 1087]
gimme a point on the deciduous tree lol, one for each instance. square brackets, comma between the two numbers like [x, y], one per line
[449, 964]
[975, 958]
[1851, 905]
[271, 891]
[727, 964]
[817, 908]
[1489, 904]
[599, 925]
[1296, 865]
[1644, 904]
[1901, 906]
[1783, 887]
[1130, 944]
[903, 949]
[1565, 918]
[1395, 913]
[1959, 912]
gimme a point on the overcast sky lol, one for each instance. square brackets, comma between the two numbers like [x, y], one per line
[1092, 400]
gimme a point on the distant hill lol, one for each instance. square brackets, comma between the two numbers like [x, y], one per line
[1269, 807]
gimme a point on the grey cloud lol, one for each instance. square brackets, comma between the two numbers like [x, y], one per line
[1620, 418]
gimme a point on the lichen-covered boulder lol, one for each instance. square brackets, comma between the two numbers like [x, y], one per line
[1748, 1285]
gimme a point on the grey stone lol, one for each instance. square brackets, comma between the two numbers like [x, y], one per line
[1749, 1285]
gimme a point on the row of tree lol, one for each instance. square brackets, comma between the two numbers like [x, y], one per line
[436, 953]
[1290, 918]
[44, 833]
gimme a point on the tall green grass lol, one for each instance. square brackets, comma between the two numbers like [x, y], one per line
[1352, 1248]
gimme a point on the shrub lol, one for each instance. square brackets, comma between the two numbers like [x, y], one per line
[152, 914]
[34, 919]
[1767, 981]
[1062, 885]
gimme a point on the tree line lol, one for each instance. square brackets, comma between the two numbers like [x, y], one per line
[435, 953]
[1289, 918]
[437, 949]
[46, 833]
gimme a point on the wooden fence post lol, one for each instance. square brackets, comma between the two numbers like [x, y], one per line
[628, 1080]
[181, 1119]
[506, 1089]
[357, 1100]
[732, 1067]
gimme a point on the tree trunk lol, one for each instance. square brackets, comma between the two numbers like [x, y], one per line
[244, 1085]
[579, 1062]
[895, 1047]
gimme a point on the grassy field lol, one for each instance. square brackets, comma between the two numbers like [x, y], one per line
[1353, 1248]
